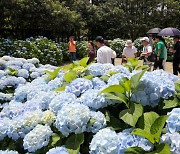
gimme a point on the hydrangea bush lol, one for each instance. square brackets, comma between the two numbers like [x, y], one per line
[101, 109]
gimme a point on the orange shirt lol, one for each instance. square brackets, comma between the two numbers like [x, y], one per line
[72, 46]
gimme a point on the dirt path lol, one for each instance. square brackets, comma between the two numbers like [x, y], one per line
[168, 67]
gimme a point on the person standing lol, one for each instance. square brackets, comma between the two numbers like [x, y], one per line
[92, 52]
[104, 53]
[160, 54]
[106, 43]
[129, 51]
[147, 51]
[165, 54]
[72, 47]
[176, 57]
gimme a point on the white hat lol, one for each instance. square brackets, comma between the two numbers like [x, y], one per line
[128, 43]
[145, 39]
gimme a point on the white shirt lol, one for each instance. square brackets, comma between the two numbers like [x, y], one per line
[104, 55]
[147, 49]
[129, 52]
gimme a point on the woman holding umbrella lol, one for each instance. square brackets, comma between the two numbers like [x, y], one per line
[175, 33]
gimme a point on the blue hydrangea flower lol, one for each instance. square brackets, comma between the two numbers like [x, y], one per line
[15, 62]
[153, 86]
[56, 83]
[98, 83]
[114, 79]
[61, 99]
[4, 126]
[5, 97]
[21, 92]
[8, 152]
[173, 121]
[79, 86]
[48, 117]
[2, 74]
[30, 90]
[91, 99]
[33, 61]
[58, 150]
[126, 140]
[164, 80]
[2, 64]
[24, 123]
[6, 58]
[23, 73]
[72, 118]
[28, 66]
[35, 75]
[11, 110]
[97, 121]
[49, 67]
[121, 69]
[44, 98]
[173, 141]
[37, 138]
[104, 142]
[11, 81]
[148, 93]
[98, 69]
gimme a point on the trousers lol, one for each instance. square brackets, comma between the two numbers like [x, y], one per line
[176, 66]
[73, 55]
[158, 63]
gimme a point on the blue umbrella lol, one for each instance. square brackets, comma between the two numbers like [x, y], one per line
[169, 32]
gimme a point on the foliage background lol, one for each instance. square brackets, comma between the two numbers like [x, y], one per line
[58, 19]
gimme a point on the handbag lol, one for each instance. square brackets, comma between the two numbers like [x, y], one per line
[152, 57]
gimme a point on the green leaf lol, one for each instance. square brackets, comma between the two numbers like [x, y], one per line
[134, 150]
[131, 116]
[107, 115]
[111, 72]
[115, 123]
[83, 62]
[178, 95]
[112, 122]
[142, 67]
[133, 62]
[162, 149]
[76, 63]
[171, 103]
[146, 121]
[69, 76]
[104, 78]
[153, 125]
[136, 78]
[71, 151]
[144, 133]
[62, 88]
[113, 88]
[55, 139]
[74, 141]
[52, 74]
[12, 71]
[120, 97]
[126, 83]
[177, 85]
[89, 77]
[67, 67]
[157, 126]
